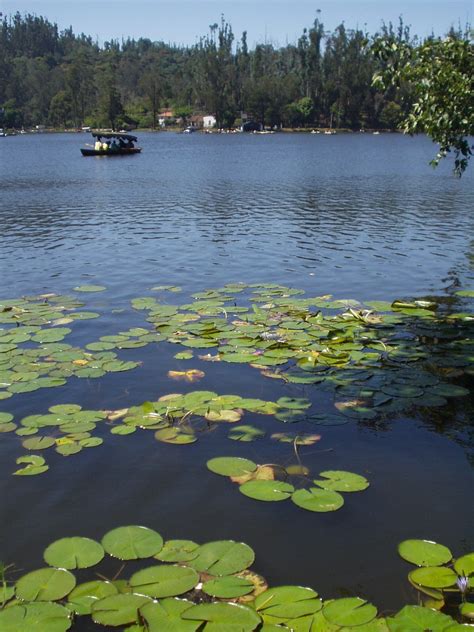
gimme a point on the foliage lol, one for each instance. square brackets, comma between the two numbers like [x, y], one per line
[440, 74]
[190, 587]
[64, 79]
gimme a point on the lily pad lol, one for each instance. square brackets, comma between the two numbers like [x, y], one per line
[424, 552]
[164, 581]
[278, 605]
[223, 557]
[418, 619]
[434, 577]
[465, 565]
[178, 551]
[82, 598]
[175, 435]
[118, 609]
[74, 553]
[340, 481]
[45, 584]
[319, 500]
[166, 616]
[132, 543]
[267, 490]
[349, 612]
[228, 587]
[37, 617]
[89, 288]
[231, 466]
[230, 617]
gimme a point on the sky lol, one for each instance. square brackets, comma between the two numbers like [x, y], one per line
[273, 21]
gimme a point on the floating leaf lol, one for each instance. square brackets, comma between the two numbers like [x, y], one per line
[82, 598]
[280, 604]
[166, 615]
[267, 490]
[463, 565]
[74, 553]
[175, 435]
[164, 581]
[231, 617]
[246, 433]
[424, 552]
[340, 481]
[89, 288]
[315, 499]
[45, 584]
[434, 577]
[351, 611]
[193, 375]
[231, 466]
[418, 619]
[38, 443]
[132, 543]
[37, 617]
[118, 609]
[223, 557]
[178, 551]
[228, 587]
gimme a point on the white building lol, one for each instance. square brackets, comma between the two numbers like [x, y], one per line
[208, 121]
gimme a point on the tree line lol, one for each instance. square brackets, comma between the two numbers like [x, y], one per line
[325, 79]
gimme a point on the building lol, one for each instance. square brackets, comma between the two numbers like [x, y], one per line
[209, 121]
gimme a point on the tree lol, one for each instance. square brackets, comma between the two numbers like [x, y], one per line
[441, 76]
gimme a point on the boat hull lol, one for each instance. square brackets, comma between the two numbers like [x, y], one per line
[120, 152]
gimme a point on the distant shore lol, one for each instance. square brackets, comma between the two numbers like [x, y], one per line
[178, 129]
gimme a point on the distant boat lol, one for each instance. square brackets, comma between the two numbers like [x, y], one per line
[376, 133]
[112, 144]
[330, 132]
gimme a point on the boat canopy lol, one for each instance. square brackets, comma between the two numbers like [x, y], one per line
[114, 135]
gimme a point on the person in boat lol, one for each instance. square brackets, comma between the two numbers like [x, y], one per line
[105, 146]
[114, 146]
[98, 145]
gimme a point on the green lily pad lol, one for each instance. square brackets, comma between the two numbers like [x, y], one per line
[351, 611]
[5, 418]
[38, 443]
[467, 610]
[45, 584]
[123, 430]
[68, 449]
[424, 552]
[319, 500]
[340, 481]
[89, 288]
[448, 390]
[178, 551]
[245, 433]
[223, 557]
[228, 587]
[65, 409]
[82, 598]
[267, 490]
[463, 565]
[74, 553]
[418, 619]
[164, 581]
[166, 616]
[230, 617]
[118, 609]
[175, 435]
[231, 466]
[278, 605]
[37, 617]
[132, 543]
[293, 403]
[434, 577]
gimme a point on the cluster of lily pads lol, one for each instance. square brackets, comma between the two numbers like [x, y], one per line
[379, 357]
[261, 482]
[175, 418]
[33, 353]
[183, 586]
[439, 578]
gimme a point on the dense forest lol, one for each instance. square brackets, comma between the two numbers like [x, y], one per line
[61, 79]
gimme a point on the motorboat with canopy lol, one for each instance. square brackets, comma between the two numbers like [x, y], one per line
[112, 144]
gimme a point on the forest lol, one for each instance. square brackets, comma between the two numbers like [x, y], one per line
[65, 80]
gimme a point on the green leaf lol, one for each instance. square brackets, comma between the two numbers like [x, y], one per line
[175, 435]
[89, 288]
[349, 612]
[178, 551]
[223, 557]
[132, 543]
[463, 565]
[293, 403]
[118, 609]
[434, 577]
[230, 617]
[231, 466]
[424, 552]
[45, 584]
[245, 433]
[228, 587]
[166, 616]
[340, 481]
[38, 443]
[164, 581]
[418, 619]
[319, 500]
[37, 617]
[74, 553]
[267, 490]
[82, 598]
[278, 605]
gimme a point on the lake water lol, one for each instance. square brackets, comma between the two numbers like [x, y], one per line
[355, 216]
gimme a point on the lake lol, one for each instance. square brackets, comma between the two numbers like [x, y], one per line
[355, 216]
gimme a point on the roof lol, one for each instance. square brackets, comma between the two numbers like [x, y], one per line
[114, 135]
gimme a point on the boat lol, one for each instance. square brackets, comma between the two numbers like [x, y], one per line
[112, 144]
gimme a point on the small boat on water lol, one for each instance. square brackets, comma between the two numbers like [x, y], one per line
[112, 144]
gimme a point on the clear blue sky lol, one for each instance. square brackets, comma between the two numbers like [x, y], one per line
[277, 21]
